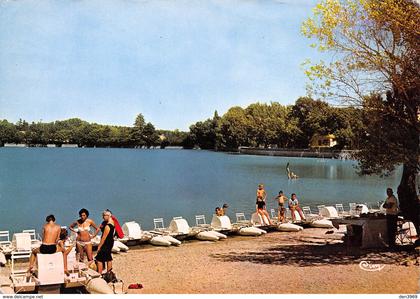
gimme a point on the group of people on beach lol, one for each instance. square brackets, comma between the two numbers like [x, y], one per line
[293, 204]
[54, 238]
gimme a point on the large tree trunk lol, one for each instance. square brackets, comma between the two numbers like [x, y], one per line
[407, 195]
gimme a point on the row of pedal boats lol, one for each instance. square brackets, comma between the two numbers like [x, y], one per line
[179, 230]
[220, 228]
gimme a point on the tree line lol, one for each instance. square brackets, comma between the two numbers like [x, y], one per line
[258, 125]
[83, 133]
[276, 125]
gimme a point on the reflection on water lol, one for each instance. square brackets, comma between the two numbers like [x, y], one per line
[144, 184]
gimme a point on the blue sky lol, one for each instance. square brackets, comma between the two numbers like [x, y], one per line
[173, 61]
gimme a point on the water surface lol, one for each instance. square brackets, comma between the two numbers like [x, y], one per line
[144, 184]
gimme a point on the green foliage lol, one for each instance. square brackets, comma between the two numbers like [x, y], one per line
[82, 133]
[273, 124]
[375, 53]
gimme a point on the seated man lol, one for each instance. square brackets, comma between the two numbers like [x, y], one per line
[50, 237]
[294, 206]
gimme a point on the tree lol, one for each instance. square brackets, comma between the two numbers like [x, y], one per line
[137, 131]
[7, 132]
[234, 128]
[150, 137]
[203, 134]
[375, 65]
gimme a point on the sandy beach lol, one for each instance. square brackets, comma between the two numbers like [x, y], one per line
[271, 264]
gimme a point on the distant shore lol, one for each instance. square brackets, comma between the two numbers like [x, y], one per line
[299, 153]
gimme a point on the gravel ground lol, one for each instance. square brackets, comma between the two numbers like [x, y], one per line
[270, 264]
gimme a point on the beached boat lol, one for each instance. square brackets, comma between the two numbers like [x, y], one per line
[121, 246]
[173, 241]
[289, 227]
[250, 231]
[178, 228]
[98, 286]
[221, 224]
[321, 223]
[207, 236]
[218, 234]
[115, 249]
[160, 241]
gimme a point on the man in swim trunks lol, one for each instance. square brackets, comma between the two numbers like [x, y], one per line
[50, 237]
[261, 194]
[281, 199]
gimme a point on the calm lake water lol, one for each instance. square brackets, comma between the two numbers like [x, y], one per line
[144, 184]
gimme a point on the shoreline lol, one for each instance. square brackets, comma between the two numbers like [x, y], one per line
[288, 153]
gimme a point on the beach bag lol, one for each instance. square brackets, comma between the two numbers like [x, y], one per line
[110, 277]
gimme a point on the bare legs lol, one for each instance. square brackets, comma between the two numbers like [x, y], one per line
[292, 211]
[32, 259]
[281, 215]
[101, 266]
[88, 249]
[263, 213]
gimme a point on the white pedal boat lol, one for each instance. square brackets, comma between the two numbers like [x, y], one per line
[251, 231]
[207, 236]
[322, 223]
[289, 227]
[160, 241]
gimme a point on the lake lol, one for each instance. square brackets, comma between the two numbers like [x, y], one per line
[139, 184]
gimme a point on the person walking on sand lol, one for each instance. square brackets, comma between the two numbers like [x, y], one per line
[83, 240]
[294, 206]
[50, 237]
[281, 200]
[391, 206]
[103, 257]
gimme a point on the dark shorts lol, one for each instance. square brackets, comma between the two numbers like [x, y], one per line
[48, 249]
[103, 256]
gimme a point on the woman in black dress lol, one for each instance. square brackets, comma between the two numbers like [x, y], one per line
[107, 242]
